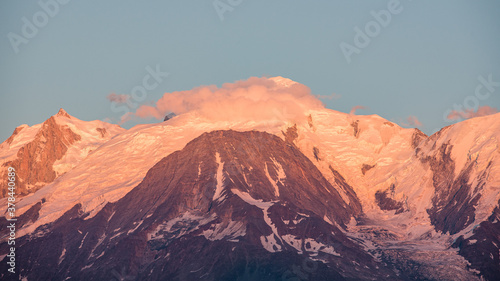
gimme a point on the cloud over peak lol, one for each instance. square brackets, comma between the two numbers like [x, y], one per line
[356, 108]
[470, 113]
[251, 99]
[413, 121]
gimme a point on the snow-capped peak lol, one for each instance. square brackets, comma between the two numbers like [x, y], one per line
[43, 152]
[62, 113]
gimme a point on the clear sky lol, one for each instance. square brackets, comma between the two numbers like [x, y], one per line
[421, 62]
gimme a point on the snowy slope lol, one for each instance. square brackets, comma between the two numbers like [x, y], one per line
[348, 142]
[471, 144]
[447, 188]
[21, 136]
[93, 134]
[475, 143]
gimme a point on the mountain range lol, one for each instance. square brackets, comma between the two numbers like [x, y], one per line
[330, 196]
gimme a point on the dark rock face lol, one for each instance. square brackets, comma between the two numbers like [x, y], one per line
[365, 168]
[229, 206]
[291, 134]
[35, 159]
[442, 167]
[169, 116]
[26, 218]
[482, 248]
[342, 183]
[453, 203]
[455, 211]
[316, 154]
[385, 202]
[355, 126]
[102, 131]
[310, 122]
[417, 137]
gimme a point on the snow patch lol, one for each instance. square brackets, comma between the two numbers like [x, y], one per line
[99, 242]
[220, 178]
[273, 182]
[269, 243]
[61, 257]
[309, 245]
[116, 235]
[228, 231]
[87, 267]
[135, 228]
[250, 200]
[280, 173]
[279, 170]
[179, 226]
[325, 218]
[83, 240]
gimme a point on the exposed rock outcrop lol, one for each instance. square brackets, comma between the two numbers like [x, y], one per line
[34, 162]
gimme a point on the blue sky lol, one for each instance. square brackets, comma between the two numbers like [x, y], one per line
[425, 60]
